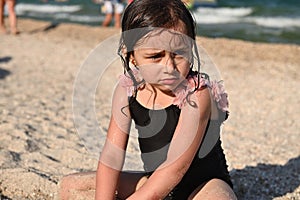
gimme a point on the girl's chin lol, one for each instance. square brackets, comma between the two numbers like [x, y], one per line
[167, 89]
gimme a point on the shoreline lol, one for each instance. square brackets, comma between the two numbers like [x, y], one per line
[39, 143]
[99, 26]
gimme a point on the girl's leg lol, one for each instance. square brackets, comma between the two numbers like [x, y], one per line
[129, 182]
[214, 189]
[78, 185]
[12, 16]
[82, 185]
[2, 26]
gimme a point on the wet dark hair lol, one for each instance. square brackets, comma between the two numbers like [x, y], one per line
[146, 15]
[158, 13]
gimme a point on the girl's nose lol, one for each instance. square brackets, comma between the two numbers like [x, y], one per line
[170, 63]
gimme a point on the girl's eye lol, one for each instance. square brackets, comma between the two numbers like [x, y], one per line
[180, 52]
[155, 56]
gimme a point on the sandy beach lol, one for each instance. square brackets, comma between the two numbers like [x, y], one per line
[40, 144]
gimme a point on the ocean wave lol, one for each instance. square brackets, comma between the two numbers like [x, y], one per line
[80, 18]
[275, 22]
[68, 17]
[242, 15]
[220, 15]
[232, 12]
[22, 8]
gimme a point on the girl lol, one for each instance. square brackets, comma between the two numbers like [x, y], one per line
[171, 107]
[177, 112]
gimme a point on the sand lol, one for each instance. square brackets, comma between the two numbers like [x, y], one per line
[39, 142]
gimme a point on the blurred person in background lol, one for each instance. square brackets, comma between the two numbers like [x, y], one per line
[11, 14]
[113, 8]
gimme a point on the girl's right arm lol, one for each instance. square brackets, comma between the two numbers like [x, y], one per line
[113, 153]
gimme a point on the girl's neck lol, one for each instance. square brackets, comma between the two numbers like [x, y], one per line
[153, 98]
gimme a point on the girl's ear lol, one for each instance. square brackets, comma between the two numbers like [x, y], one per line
[132, 60]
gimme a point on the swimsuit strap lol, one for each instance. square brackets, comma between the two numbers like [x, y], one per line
[187, 87]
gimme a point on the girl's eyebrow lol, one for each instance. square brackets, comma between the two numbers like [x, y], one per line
[153, 52]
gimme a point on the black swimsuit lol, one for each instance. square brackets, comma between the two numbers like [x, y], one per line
[155, 129]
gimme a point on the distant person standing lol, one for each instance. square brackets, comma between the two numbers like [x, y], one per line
[11, 14]
[113, 7]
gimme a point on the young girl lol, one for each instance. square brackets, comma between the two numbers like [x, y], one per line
[177, 112]
[171, 107]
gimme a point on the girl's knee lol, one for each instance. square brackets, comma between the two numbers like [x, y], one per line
[79, 181]
[77, 184]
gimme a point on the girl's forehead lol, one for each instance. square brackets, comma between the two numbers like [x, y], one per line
[165, 39]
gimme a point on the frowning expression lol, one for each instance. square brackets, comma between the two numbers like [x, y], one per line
[163, 58]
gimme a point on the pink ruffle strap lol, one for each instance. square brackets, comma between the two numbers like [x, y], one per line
[219, 95]
[126, 81]
[218, 92]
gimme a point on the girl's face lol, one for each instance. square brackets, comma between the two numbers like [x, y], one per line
[163, 58]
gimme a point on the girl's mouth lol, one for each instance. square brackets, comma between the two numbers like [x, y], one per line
[168, 81]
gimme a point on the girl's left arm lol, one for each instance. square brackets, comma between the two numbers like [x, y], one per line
[183, 147]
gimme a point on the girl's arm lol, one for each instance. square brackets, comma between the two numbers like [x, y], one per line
[113, 152]
[184, 145]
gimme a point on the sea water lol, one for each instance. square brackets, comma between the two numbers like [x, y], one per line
[272, 21]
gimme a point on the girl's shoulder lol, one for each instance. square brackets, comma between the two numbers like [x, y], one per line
[197, 82]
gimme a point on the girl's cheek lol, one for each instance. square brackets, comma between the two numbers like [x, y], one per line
[150, 73]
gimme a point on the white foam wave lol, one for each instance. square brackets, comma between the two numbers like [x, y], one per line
[220, 15]
[68, 17]
[85, 18]
[275, 22]
[22, 8]
[232, 12]
[79, 18]
[241, 15]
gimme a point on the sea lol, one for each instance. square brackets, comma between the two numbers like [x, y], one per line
[270, 21]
